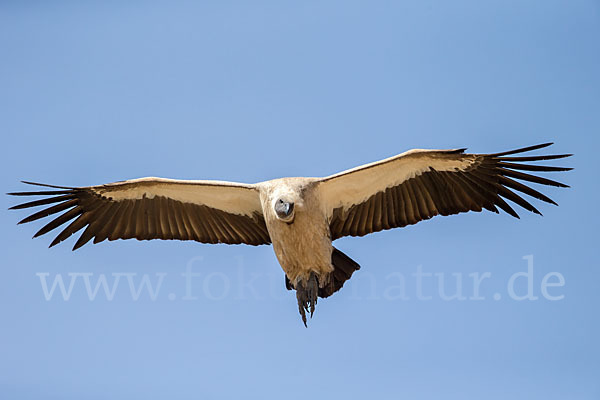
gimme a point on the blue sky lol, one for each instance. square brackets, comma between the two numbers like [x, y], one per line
[249, 91]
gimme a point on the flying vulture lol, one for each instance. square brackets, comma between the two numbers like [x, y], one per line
[300, 217]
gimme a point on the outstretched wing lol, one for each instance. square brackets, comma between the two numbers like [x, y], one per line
[420, 184]
[153, 208]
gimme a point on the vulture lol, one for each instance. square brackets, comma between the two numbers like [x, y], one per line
[300, 217]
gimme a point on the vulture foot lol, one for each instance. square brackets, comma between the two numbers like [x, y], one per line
[306, 293]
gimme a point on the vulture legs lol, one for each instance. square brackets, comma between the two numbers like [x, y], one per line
[306, 293]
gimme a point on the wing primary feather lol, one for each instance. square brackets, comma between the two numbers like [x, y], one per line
[41, 193]
[441, 190]
[96, 217]
[455, 192]
[530, 178]
[104, 222]
[461, 200]
[493, 188]
[529, 167]
[475, 199]
[505, 207]
[72, 228]
[47, 185]
[525, 189]
[42, 202]
[108, 230]
[489, 191]
[460, 192]
[84, 238]
[485, 177]
[512, 196]
[58, 221]
[49, 211]
[522, 150]
[534, 158]
[122, 220]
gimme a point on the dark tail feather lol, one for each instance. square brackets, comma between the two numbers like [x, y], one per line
[344, 267]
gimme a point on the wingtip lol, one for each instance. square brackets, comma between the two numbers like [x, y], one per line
[522, 149]
[512, 214]
[543, 145]
[46, 185]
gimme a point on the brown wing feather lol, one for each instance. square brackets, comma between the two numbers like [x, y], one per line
[157, 218]
[485, 184]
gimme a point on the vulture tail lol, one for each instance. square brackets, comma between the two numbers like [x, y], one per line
[344, 267]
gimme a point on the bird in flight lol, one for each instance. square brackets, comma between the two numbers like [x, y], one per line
[300, 217]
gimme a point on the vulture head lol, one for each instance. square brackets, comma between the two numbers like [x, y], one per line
[284, 210]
